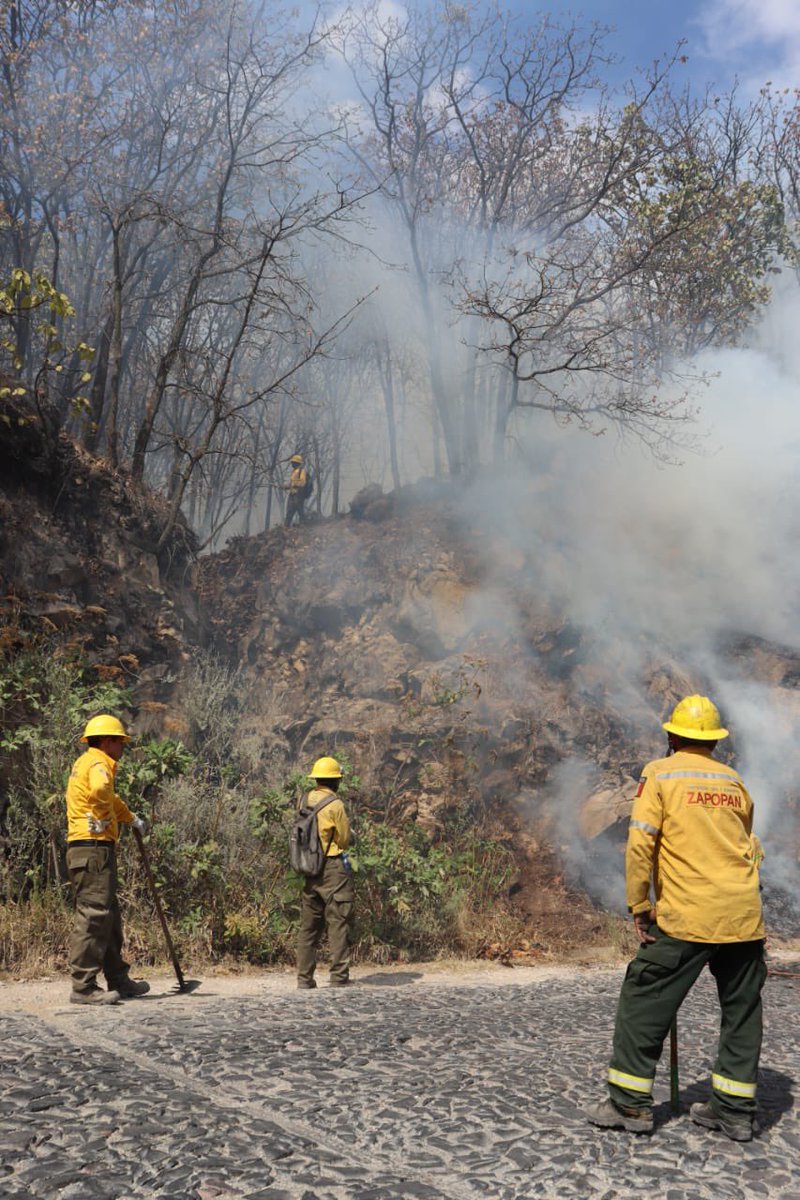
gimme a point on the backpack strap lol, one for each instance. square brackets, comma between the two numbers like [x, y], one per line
[317, 809]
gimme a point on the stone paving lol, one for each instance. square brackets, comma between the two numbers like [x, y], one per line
[431, 1092]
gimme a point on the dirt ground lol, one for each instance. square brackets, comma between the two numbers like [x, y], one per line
[50, 993]
[40, 996]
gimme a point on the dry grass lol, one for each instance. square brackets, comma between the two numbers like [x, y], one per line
[34, 935]
[34, 938]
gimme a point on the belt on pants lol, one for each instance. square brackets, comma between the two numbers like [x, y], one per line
[91, 842]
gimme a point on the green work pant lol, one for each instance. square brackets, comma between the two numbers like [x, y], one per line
[327, 900]
[96, 941]
[295, 506]
[656, 983]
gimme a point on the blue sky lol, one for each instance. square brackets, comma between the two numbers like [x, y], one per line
[752, 40]
[643, 30]
[726, 41]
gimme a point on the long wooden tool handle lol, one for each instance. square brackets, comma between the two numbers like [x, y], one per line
[156, 900]
[673, 1067]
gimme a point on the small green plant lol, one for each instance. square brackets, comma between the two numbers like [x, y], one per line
[271, 811]
[27, 363]
[444, 693]
[148, 764]
[46, 697]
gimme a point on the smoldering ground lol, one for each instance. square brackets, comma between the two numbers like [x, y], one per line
[677, 564]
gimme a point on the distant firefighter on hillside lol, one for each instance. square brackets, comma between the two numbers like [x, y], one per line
[299, 488]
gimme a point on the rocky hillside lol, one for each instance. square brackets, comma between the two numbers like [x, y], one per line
[77, 556]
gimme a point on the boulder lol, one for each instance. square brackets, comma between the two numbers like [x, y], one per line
[605, 808]
[371, 504]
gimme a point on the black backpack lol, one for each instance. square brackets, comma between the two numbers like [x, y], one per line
[308, 486]
[306, 854]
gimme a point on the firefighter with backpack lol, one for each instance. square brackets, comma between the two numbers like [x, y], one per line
[320, 837]
[299, 487]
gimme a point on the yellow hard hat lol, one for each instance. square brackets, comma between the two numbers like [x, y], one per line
[297, 458]
[104, 726]
[326, 768]
[697, 718]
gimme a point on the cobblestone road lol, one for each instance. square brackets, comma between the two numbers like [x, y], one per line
[375, 1092]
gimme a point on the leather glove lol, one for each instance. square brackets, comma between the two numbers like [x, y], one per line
[139, 823]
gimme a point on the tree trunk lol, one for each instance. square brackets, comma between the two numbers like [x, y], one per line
[156, 395]
[391, 423]
[115, 355]
[251, 489]
[273, 465]
[336, 475]
[441, 397]
[506, 403]
[471, 452]
[98, 393]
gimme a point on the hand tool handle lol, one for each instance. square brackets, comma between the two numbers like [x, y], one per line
[157, 901]
[673, 1067]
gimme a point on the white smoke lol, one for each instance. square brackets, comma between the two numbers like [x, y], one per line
[680, 563]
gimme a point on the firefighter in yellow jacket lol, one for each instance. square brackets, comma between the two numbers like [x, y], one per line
[328, 897]
[691, 835]
[296, 487]
[94, 815]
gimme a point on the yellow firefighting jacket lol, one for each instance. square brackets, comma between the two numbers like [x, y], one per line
[332, 822]
[297, 481]
[94, 810]
[691, 831]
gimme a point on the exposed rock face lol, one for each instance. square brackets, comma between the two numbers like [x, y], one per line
[384, 641]
[371, 504]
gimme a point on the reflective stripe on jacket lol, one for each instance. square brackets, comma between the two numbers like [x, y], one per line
[332, 822]
[94, 810]
[691, 831]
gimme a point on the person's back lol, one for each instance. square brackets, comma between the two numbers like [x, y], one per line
[332, 822]
[704, 872]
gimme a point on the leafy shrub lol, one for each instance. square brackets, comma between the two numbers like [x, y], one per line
[413, 893]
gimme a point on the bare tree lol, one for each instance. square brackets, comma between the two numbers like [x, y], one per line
[571, 228]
